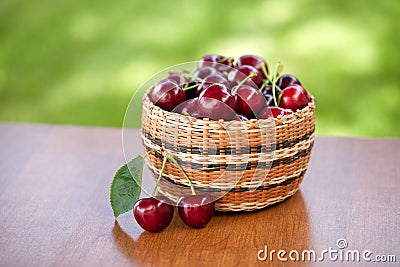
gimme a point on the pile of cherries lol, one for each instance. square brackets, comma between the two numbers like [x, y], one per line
[222, 88]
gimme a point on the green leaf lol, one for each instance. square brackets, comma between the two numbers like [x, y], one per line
[126, 186]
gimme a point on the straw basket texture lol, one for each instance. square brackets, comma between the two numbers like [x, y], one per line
[246, 165]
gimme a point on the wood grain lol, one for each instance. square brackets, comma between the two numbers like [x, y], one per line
[54, 205]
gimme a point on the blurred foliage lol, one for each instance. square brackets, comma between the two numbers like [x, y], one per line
[79, 62]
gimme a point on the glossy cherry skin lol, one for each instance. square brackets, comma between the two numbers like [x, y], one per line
[152, 214]
[167, 95]
[249, 100]
[218, 62]
[274, 112]
[196, 210]
[190, 107]
[216, 102]
[294, 97]
[254, 61]
[209, 80]
[177, 78]
[287, 80]
[205, 71]
[235, 76]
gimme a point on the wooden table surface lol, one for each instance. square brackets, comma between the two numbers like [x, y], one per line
[54, 206]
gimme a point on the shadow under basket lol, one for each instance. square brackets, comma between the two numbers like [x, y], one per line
[244, 165]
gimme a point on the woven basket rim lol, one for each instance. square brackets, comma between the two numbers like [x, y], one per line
[281, 119]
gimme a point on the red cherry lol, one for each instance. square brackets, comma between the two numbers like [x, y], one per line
[249, 100]
[196, 210]
[218, 62]
[216, 103]
[205, 71]
[209, 80]
[177, 78]
[269, 112]
[254, 61]
[287, 80]
[235, 76]
[152, 214]
[190, 107]
[294, 97]
[167, 95]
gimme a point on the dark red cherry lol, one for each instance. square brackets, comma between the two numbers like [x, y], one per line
[269, 112]
[254, 61]
[167, 95]
[153, 215]
[249, 100]
[177, 78]
[294, 97]
[218, 62]
[235, 76]
[203, 72]
[190, 107]
[287, 80]
[209, 80]
[196, 210]
[216, 102]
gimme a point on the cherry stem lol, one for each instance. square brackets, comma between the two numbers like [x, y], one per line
[268, 79]
[174, 161]
[251, 75]
[223, 59]
[275, 77]
[160, 175]
[189, 87]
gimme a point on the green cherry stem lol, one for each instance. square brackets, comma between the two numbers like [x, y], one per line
[189, 87]
[274, 86]
[160, 175]
[251, 75]
[174, 161]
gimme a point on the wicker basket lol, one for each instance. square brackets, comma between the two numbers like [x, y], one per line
[265, 171]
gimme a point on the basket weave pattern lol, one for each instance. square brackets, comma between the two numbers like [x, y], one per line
[255, 172]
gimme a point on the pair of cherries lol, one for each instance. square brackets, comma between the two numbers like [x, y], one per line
[155, 214]
[222, 88]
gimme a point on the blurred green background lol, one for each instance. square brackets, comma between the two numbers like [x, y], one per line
[79, 62]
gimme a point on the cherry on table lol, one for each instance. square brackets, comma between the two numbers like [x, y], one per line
[152, 214]
[287, 80]
[216, 102]
[196, 210]
[294, 97]
[167, 95]
[249, 100]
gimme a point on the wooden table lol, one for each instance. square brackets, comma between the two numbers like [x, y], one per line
[54, 206]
